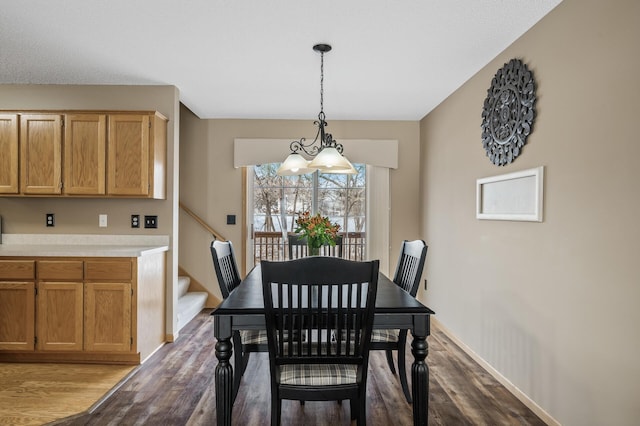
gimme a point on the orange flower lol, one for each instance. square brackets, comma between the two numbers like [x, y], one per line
[317, 229]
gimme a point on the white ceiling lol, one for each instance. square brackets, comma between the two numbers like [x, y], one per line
[391, 59]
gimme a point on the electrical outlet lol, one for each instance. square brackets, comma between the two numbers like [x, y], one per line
[135, 221]
[51, 219]
[102, 221]
[151, 221]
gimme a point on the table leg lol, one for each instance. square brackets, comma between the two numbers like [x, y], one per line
[420, 380]
[224, 382]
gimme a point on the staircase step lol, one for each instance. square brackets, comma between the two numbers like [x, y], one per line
[190, 305]
[183, 285]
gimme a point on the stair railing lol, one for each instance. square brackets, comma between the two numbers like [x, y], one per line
[202, 223]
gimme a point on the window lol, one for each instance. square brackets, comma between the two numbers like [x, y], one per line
[278, 199]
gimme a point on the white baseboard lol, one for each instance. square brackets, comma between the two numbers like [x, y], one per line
[524, 398]
[154, 351]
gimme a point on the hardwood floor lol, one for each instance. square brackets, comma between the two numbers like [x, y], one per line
[34, 394]
[175, 387]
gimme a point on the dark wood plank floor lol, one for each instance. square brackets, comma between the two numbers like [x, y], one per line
[175, 387]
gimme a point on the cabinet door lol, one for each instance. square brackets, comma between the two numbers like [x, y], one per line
[107, 317]
[84, 154]
[8, 154]
[40, 154]
[17, 309]
[128, 163]
[59, 316]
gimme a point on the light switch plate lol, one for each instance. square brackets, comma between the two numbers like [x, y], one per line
[151, 221]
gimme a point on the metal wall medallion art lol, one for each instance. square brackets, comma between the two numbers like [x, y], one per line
[508, 112]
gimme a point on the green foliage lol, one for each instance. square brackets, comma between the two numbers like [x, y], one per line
[317, 229]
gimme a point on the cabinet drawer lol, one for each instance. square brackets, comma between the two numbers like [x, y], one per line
[17, 269]
[111, 270]
[60, 269]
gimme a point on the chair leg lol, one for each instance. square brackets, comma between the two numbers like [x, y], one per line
[390, 361]
[402, 369]
[245, 361]
[238, 364]
[353, 408]
[276, 407]
[362, 411]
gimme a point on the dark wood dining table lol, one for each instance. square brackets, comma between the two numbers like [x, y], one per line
[395, 309]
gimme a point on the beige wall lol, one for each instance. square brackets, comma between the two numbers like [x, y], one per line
[212, 188]
[80, 216]
[552, 306]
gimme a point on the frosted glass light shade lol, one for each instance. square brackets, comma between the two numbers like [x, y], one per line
[329, 159]
[295, 164]
[351, 171]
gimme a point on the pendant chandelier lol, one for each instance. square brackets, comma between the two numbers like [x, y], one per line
[327, 152]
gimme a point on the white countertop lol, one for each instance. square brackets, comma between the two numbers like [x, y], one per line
[82, 245]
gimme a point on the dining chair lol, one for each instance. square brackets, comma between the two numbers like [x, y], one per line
[298, 247]
[319, 295]
[244, 341]
[407, 276]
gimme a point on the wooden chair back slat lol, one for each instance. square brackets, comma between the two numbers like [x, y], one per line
[297, 247]
[410, 265]
[224, 262]
[330, 299]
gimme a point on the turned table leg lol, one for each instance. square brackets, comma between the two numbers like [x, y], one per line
[420, 380]
[224, 379]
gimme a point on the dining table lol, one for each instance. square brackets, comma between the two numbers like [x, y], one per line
[243, 309]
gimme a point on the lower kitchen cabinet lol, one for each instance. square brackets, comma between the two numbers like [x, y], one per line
[59, 316]
[107, 317]
[17, 315]
[17, 304]
[109, 310]
[59, 305]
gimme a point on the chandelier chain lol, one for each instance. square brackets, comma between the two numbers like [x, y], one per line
[321, 81]
[322, 139]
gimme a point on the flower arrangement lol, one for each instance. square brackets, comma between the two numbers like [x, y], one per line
[318, 231]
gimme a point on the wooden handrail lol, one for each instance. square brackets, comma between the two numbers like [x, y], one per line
[202, 223]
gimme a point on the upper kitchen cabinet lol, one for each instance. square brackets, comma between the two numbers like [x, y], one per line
[84, 154]
[40, 154]
[136, 164]
[9, 154]
[110, 154]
